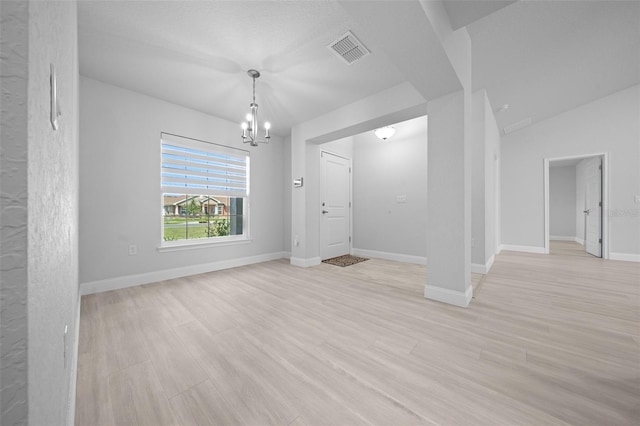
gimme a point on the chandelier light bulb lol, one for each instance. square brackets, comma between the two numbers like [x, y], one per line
[244, 125]
[267, 125]
[249, 117]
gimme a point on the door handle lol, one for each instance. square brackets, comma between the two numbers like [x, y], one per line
[586, 211]
[325, 211]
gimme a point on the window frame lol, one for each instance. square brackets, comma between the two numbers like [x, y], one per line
[209, 147]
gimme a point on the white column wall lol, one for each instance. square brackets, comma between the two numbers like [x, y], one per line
[449, 203]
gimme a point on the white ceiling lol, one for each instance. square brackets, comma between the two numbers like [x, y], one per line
[546, 57]
[540, 57]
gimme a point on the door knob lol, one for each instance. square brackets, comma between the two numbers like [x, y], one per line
[586, 211]
[325, 211]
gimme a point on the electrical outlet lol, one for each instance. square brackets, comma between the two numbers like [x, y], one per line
[133, 250]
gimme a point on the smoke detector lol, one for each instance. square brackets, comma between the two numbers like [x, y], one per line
[348, 48]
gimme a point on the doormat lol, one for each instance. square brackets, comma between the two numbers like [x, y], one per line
[346, 260]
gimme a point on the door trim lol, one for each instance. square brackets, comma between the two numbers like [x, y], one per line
[324, 151]
[605, 198]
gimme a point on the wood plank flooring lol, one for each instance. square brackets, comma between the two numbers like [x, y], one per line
[549, 339]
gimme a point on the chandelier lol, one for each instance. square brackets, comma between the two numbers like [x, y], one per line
[250, 127]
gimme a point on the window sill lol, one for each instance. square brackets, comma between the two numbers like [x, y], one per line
[191, 245]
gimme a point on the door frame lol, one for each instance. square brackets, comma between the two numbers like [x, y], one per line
[321, 187]
[605, 197]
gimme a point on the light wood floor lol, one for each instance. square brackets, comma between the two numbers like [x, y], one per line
[549, 339]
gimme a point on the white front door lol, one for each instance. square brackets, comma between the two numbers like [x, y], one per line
[593, 207]
[335, 221]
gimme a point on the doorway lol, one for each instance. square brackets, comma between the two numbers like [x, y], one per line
[584, 206]
[335, 220]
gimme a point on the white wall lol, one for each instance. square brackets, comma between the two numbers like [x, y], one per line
[383, 171]
[610, 125]
[562, 202]
[39, 213]
[287, 182]
[396, 104]
[120, 200]
[485, 148]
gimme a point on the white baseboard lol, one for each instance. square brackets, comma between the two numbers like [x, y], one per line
[398, 257]
[305, 263]
[457, 298]
[627, 257]
[526, 249]
[168, 274]
[71, 404]
[478, 268]
[579, 241]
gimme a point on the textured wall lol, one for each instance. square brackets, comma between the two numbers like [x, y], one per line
[13, 212]
[52, 211]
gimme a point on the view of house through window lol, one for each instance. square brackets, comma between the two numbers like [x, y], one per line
[201, 216]
[204, 190]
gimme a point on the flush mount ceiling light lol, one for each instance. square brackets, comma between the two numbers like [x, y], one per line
[384, 133]
[250, 127]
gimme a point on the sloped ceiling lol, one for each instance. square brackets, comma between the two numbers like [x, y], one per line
[540, 57]
[546, 57]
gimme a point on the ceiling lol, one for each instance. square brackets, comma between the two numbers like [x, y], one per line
[540, 57]
[546, 57]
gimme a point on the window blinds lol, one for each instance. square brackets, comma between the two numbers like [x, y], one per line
[190, 166]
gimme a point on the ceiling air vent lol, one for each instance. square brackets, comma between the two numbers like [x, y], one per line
[349, 48]
[517, 126]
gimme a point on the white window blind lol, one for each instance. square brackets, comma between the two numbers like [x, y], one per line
[190, 166]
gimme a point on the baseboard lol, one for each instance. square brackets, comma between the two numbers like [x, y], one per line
[168, 274]
[526, 249]
[627, 257]
[478, 268]
[71, 403]
[579, 241]
[398, 257]
[305, 263]
[457, 298]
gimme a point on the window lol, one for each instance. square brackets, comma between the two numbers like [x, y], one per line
[205, 191]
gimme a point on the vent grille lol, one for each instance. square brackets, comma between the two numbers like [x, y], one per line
[349, 48]
[517, 126]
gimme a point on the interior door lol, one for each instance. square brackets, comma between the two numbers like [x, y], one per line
[335, 223]
[593, 207]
